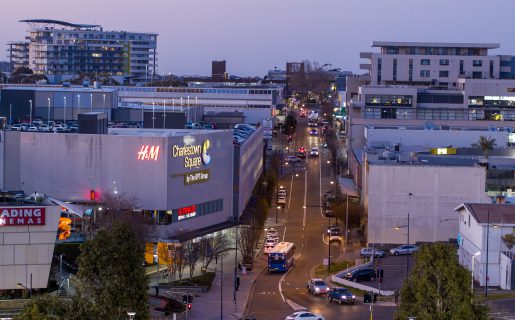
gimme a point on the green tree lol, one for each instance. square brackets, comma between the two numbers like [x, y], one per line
[290, 124]
[110, 267]
[485, 144]
[438, 288]
[45, 307]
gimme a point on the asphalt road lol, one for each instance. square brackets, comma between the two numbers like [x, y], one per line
[277, 295]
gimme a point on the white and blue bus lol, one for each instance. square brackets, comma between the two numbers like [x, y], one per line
[280, 257]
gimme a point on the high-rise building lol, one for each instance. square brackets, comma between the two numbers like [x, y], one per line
[218, 70]
[62, 50]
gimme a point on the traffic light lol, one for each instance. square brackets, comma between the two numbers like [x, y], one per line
[189, 306]
[187, 298]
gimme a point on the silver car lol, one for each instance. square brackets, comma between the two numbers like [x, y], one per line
[405, 249]
[317, 287]
[369, 252]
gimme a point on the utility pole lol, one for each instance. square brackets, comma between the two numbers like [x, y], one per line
[407, 256]
[221, 287]
[487, 241]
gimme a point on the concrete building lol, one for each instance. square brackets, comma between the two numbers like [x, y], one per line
[62, 50]
[184, 180]
[218, 70]
[481, 228]
[27, 238]
[426, 63]
[428, 188]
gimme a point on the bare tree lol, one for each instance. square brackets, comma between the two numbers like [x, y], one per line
[246, 238]
[311, 78]
[191, 255]
[179, 262]
[210, 248]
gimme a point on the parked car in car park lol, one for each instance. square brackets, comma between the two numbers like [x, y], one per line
[356, 275]
[405, 249]
[317, 287]
[369, 252]
[304, 315]
[341, 296]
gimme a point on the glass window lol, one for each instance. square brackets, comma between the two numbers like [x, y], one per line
[424, 73]
[477, 63]
[444, 62]
[444, 74]
[425, 62]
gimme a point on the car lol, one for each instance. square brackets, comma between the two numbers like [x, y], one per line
[314, 152]
[335, 235]
[269, 245]
[324, 145]
[356, 275]
[329, 213]
[317, 286]
[281, 192]
[60, 130]
[16, 127]
[37, 122]
[274, 237]
[302, 114]
[369, 252]
[301, 152]
[304, 315]
[333, 227]
[292, 159]
[341, 295]
[325, 122]
[405, 249]
[271, 232]
[43, 127]
[32, 129]
[281, 199]
[313, 132]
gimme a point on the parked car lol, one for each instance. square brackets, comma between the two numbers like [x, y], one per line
[32, 129]
[405, 249]
[356, 275]
[317, 286]
[314, 152]
[369, 252]
[304, 315]
[335, 235]
[341, 295]
[16, 127]
[333, 227]
[281, 199]
[43, 128]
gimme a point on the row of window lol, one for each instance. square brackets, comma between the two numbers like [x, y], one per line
[433, 114]
[388, 100]
[201, 209]
[434, 51]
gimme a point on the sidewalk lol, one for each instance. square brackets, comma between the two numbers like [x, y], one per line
[208, 306]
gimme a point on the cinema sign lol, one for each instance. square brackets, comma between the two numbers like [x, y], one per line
[22, 216]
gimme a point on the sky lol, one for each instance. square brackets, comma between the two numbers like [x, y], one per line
[255, 36]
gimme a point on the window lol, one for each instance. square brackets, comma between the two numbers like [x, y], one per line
[477, 63]
[425, 62]
[424, 73]
[444, 62]
[477, 75]
[392, 50]
[410, 70]
[394, 69]
[461, 67]
[379, 62]
[443, 74]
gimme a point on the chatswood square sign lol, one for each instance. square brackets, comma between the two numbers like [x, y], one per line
[25, 216]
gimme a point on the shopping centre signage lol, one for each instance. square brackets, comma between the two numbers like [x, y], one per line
[148, 152]
[196, 177]
[186, 212]
[22, 217]
[194, 155]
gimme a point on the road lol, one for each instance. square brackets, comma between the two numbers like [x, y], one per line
[276, 295]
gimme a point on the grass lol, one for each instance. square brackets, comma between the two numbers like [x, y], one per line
[321, 271]
[13, 304]
[205, 279]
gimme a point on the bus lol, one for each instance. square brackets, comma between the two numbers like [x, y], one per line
[280, 257]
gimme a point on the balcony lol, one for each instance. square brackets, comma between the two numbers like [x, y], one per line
[365, 55]
[365, 66]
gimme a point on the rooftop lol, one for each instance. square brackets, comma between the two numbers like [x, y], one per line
[435, 44]
[422, 160]
[58, 88]
[491, 212]
[44, 23]
[163, 133]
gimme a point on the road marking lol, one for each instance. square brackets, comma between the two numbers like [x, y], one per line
[320, 186]
[295, 306]
[305, 196]
[281, 282]
[284, 233]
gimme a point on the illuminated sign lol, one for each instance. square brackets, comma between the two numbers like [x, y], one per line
[196, 177]
[186, 212]
[22, 217]
[148, 153]
[194, 155]
[439, 151]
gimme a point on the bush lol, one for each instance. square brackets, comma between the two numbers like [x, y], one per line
[172, 306]
[205, 280]
[71, 251]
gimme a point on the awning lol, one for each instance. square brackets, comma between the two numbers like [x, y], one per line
[347, 186]
[76, 209]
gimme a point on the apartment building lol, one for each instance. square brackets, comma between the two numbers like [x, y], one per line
[442, 64]
[61, 50]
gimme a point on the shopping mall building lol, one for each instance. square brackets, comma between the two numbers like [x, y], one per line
[187, 181]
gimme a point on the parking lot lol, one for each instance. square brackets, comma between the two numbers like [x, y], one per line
[394, 271]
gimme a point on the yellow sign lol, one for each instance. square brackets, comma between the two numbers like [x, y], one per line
[443, 151]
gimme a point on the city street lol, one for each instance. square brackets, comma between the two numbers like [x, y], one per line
[282, 294]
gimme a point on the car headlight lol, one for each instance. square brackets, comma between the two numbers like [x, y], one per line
[317, 289]
[353, 297]
[344, 297]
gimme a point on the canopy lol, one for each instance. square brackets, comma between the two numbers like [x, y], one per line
[347, 186]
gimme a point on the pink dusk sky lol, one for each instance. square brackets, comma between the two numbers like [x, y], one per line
[255, 36]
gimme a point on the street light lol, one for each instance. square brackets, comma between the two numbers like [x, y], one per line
[48, 120]
[64, 116]
[131, 315]
[221, 284]
[407, 256]
[472, 270]
[30, 117]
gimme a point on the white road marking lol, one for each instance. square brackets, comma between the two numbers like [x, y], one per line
[291, 191]
[295, 306]
[284, 233]
[281, 283]
[305, 196]
[320, 186]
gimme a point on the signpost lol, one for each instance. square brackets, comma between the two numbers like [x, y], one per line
[25, 216]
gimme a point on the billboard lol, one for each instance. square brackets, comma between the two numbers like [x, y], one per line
[25, 216]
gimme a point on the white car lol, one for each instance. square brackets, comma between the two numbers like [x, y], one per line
[272, 232]
[16, 127]
[32, 129]
[281, 199]
[274, 237]
[304, 315]
[43, 127]
[269, 245]
[292, 159]
[281, 192]
[314, 152]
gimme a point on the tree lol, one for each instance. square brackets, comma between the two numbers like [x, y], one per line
[290, 124]
[509, 240]
[438, 288]
[211, 247]
[311, 78]
[192, 255]
[485, 144]
[246, 238]
[110, 268]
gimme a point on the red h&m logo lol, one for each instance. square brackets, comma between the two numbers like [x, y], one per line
[148, 153]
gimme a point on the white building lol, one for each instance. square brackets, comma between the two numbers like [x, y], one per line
[61, 50]
[481, 227]
[424, 63]
[27, 238]
[428, 188]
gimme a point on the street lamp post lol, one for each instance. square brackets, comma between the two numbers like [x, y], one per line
[329, 246]
[30, 116]
[64, 114]
[48, 119]
[487, 242]
[153, 118]
[164, 114]
[91, 101]
[131, 315]
[407, 242]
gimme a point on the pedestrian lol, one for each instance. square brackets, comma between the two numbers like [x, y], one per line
[216, 258]
[239, 267]
[396, 295]
[157, 291]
